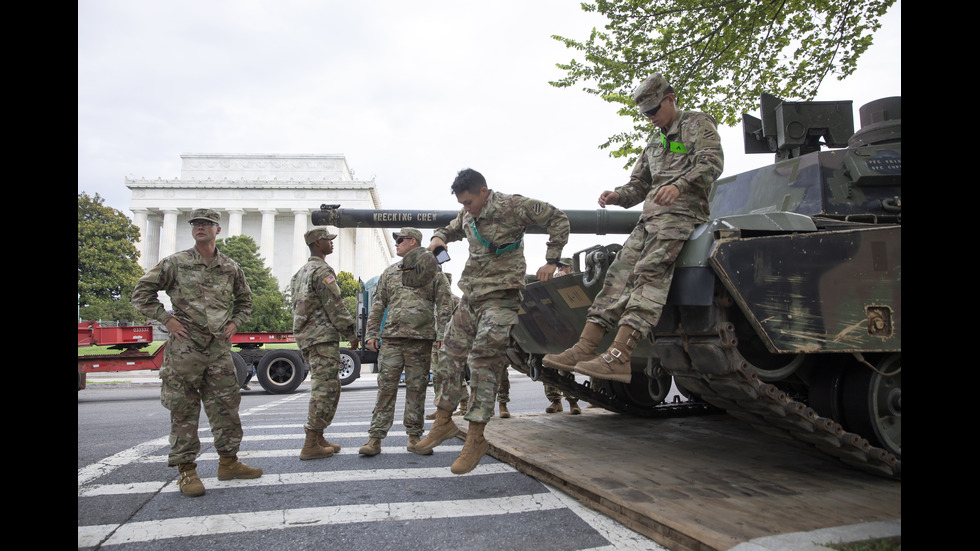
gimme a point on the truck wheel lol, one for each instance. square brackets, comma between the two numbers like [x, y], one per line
[281, 371]
[241, 369]
[350, 367]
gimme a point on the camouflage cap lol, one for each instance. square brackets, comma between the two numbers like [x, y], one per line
[210, 215]
[317, 233]
[567, 261]
[408, 232]
[650, 92]
[419, 267]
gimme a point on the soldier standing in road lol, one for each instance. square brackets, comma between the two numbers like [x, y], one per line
[553, 393]
[319, 320]
[415, 314]
[211, 301]
[493, 224]
[672, 178]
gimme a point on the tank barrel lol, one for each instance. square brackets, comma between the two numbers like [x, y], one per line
[597, 222]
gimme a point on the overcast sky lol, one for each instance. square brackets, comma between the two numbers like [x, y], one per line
[409, 92]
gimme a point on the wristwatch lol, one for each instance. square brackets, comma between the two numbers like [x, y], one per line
[552, 260]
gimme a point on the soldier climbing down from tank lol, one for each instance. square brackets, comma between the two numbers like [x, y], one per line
[493, 224]
[672, 178]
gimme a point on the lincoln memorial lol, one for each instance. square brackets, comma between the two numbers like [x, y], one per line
[267, 197]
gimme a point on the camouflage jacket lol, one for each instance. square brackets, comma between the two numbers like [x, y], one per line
[503, 219]
[206, 293]
[407, 312]
[319, 314]
[692, 172]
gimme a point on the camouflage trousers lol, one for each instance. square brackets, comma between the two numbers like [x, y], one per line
[477, 337]
[503, 387]
[552, 393]
[412, 356]
[323, 359]
[636, 285]
[195, 372]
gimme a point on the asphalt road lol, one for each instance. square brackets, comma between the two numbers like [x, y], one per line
[128, 497]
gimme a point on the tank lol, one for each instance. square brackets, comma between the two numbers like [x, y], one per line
[785, 308]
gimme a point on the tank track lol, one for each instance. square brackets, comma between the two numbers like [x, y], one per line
[531, 366]
[711, 367]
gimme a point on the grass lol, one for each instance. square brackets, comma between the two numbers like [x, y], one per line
[883, 544]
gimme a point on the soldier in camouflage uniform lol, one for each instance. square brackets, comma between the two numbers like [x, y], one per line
[211, 301]
[672, 178]
[319, 320]
[413, 317]
[553, 394]
[493, 224]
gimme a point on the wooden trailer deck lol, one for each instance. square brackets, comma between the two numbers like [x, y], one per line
[691, 483]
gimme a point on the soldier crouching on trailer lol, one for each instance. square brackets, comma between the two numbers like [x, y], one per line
[211, 301]
[319, 319]
[672, 178]
[494, 225]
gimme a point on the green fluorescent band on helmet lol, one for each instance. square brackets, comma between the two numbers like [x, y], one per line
[676, 147]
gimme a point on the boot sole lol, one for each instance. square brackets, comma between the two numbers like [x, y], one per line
[427, 450]
[305, 457]
[234, 476]
[483, 451]
[607, 376]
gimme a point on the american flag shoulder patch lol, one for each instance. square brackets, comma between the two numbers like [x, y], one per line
[329, 279]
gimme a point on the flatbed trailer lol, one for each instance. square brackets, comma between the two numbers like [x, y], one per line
[279, 371]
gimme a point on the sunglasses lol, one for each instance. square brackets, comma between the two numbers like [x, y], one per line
[651, 113]
[400, 239]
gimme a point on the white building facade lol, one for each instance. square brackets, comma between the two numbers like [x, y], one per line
[268, 197]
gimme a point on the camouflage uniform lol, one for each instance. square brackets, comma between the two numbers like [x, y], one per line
[413, 318]
[319, 320]
[479, 332]
[206, 294]
[636, 284]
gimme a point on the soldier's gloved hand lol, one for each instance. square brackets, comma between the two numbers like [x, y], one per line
[353, 343]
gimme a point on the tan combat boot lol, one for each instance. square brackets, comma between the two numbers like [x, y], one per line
[474, 449]
[230, 467]
[555, 407]
[412, 441]
[504, 414]
[431, 416]
[190, 484]
[614, 364]
[443, 429]
[311, 447]
[463, 405]
[373, 447]
[324, 443]
[573, 407]
[583, 350]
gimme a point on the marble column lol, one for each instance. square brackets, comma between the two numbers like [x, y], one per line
[268, 237]
[234, 222]
[301, 252]
[168, 239]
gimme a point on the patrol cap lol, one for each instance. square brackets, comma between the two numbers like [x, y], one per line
[567, 261]
[408, 232]
[650, 92]
[317, 233]
[419, 267]
[210, 215]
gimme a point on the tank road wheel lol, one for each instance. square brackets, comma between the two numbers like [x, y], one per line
[281, 371]
[643, 391]
[873, 403]
[826, 391]
[242, 369]
[350, 367]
